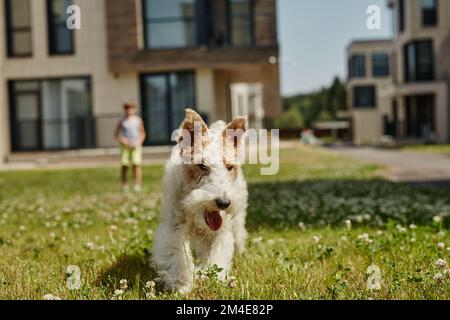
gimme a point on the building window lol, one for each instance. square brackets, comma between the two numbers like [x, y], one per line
[59, 36]
[164, 98]
[170, 24]
[380, 65]
[401, 15]
[18, 28]
[51, 114]
[241, 22]
[429, 13]
[419, 61]
[357, 66]
[364, 97]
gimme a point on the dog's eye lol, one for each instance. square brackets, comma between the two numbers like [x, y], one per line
[230, 167]
[203, 167]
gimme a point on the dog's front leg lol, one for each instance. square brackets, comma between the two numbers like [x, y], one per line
[173, 259]
[239, 232]
[221, 254]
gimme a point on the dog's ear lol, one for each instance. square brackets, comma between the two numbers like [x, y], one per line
[192, 130]
[234, 132]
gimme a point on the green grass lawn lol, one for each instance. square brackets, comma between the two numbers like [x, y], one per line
[299, 245]
[431, 148]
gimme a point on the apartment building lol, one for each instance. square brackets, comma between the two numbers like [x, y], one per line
[369, 78]
[413, 104]
[62, 89]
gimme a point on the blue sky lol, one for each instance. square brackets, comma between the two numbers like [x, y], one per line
[313, 36]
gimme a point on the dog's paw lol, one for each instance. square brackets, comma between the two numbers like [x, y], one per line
[178, 287]
[240, 248]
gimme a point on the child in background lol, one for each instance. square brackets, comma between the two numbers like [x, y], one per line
[130, 134]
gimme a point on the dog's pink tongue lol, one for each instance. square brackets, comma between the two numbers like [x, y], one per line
[214, 220]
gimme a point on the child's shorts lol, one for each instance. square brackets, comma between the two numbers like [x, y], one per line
[133, 157]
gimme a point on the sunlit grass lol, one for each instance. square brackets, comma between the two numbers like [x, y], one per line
[300, 246]
[431, 148]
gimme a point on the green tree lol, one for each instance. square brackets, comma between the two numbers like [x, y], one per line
[291, 119]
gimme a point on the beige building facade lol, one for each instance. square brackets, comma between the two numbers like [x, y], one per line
[64, 89]
[412, 104]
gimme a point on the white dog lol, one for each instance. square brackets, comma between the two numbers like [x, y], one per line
[203, 215]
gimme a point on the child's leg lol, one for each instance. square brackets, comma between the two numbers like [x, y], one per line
[137, 173]
[124, 175]
[136, 159]
[125, 162]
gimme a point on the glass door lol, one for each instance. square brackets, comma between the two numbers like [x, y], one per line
[25, 115]
[164, 98]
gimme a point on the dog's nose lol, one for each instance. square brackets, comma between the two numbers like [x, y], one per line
[223, 203]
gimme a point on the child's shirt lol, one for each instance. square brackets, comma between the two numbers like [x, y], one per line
[130, 128]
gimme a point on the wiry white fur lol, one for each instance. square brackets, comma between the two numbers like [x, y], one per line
[183, 243]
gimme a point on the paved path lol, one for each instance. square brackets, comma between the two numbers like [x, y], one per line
[402, 166]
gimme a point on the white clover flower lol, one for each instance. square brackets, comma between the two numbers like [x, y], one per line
[123, 284]
[441, 263]
[203, 277]
[365, 237]
[271, 242]
[302, 226]
[441, 245]
[150, 284]
[257, 240]
[113, 228]
[317, 238]
[348, 224]
[51, 297]
[232, 282]
[52, 235]
[22, 228]
[438, 276]
[437, 219]
[412, 226]
[367, 217]
[118, 294]
[90, 246]
[400, 228]
[359, 218]
[379, 233]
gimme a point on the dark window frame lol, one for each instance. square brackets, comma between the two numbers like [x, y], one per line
[51, 34]
[416, 77]
[401, 15]
[377, 74]
[169, 98]
[356, 102]
[14, 134]
[432, 14]
[10, 30]
[252, 24]
[352, 72]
